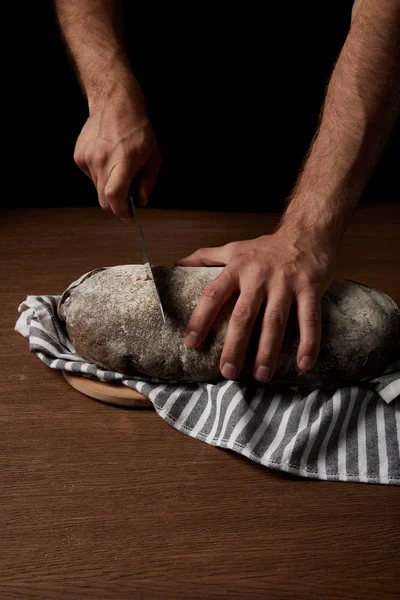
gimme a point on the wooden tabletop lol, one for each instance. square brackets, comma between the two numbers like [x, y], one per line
[104, 502]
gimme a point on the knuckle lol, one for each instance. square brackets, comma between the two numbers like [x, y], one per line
[289, 274]
[267, 358]
[307, 284]
[258, 271]
[231, 353]
[232, 246]
[311, 317]
[103, 203]
[275, 318]
[78, 158]
[133, 156]
[252, 253]
[99, 158]
[242, 314]
[235, 263]
[212, 292]
[114, 193]
[141, 138]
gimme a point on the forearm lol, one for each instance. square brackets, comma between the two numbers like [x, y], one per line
[93, 34]
[361, 107]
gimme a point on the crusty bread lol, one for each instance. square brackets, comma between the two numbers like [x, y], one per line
[113, 319]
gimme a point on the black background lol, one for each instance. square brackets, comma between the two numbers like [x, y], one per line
[234, 95]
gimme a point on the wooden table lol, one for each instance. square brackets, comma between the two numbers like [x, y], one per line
[102, 502]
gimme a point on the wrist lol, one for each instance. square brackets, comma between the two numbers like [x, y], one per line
[316, 219]
[116, 83]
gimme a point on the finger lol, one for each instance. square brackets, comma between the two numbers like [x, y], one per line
[239, 331]
[102, 198]
[79, 159]
[272, 333]
[116, 190]
[85, 168]
[91, 173]
[205, 257]
[148, 177]
[309, 316]
[210, 302]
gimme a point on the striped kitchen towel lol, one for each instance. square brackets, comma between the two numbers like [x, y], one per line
[351, 433]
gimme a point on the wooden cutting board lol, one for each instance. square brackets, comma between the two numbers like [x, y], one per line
[111, 393]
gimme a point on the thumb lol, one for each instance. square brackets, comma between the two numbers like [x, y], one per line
[205, 257]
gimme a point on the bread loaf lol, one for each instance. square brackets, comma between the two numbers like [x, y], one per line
[113, 320]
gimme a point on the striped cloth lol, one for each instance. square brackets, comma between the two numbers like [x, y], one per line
[343, 434]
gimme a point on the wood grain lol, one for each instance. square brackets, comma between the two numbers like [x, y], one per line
[103, 502]
[111, 393]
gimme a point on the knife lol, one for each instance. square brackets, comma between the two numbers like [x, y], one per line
[145, 254]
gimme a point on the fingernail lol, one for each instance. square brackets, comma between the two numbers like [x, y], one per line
[262, 373]
[192, 338]
[229, 371]
[306, 363]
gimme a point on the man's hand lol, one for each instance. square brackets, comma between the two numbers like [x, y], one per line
[281, 268]
[296, 263]
[117, 143]
[114, 147]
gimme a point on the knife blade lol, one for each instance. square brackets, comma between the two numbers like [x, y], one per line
[145, 254]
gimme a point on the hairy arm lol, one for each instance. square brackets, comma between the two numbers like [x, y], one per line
[92, 31]
[117, 142]
[296, 263]
[360, 109]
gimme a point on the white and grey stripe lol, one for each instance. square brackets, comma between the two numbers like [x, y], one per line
[343, 434]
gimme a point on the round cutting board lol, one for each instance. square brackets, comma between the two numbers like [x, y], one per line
[112, 393]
